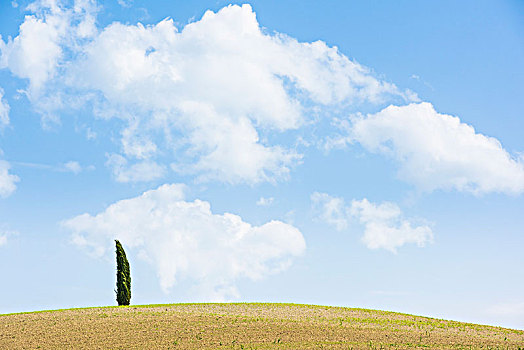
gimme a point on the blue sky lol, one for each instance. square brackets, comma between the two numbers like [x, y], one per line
[362, 154]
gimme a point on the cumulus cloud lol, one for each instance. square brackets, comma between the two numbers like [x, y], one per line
[438, 151]
[44, 36]
[201, 96]
[384, 225]
[4, 110]
[7, 180]
[185, 240]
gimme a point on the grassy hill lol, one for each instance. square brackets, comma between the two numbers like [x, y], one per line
[244, 326]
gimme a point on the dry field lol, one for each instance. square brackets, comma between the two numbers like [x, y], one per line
[244, 326]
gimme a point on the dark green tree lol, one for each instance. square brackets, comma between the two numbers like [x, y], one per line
[123, 276]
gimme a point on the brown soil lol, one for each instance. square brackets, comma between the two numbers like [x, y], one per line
[244, 326]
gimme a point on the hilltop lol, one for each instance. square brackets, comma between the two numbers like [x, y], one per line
[244, 326]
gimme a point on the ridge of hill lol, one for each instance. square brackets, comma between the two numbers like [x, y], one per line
[244, 326]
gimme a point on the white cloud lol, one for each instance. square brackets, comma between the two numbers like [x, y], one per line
[384, 225]
[265, 202]
[185, 240]
[213, 81]
[141, 171]
[4, 110]
[385, 228]
[4, 234]
[125, 3]
[202, 96]
[90, 134]
[332, 210]
[73, 166]
[44, 36]
[7, 181]
[438, 151]
[230, 151]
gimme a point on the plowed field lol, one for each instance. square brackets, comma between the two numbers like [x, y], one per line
[244, 326]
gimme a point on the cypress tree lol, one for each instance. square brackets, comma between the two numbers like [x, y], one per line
[123, 276]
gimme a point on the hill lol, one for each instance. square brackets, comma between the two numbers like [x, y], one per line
[244, 326]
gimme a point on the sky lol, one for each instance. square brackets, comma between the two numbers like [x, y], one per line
[363, 154]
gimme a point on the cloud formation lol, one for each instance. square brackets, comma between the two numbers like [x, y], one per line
[140, 171]
[438, 151]
[201, 99]
[265, 202]
[4, 234]
[7, 180]
[4, 110]
[44, 36]
[73, 166]
[185, 240]
[384, 225]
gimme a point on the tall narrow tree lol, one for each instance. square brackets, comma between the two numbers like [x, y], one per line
[123, 276]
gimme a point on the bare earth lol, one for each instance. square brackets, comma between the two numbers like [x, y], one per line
[244, 326]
